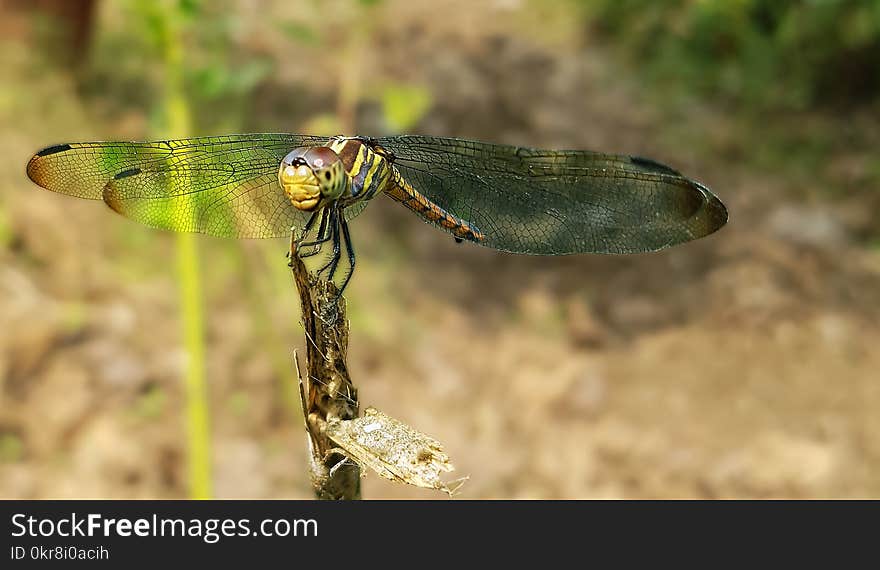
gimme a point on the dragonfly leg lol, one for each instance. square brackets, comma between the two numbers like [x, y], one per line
[296, 241]
[322, 236]
[346, 236]
[311, 222]
[334, 259]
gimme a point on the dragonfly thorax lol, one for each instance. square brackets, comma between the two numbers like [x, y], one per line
[312, 177]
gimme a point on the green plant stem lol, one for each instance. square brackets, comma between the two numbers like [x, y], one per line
[196, 390]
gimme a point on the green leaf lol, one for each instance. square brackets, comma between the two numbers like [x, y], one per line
[301, 33]
[323, 124]
[247, 76]
[404, 105]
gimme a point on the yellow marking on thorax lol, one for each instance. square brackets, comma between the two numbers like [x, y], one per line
[337, 146]
[359, 161]
[364, 155]
[376, 167]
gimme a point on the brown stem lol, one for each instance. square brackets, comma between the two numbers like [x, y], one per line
[327, 391]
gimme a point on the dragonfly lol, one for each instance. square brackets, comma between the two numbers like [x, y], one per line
[510, 198]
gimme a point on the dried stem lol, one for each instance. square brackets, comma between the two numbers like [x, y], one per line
[327, 391]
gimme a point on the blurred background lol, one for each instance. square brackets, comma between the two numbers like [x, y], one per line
[740, 365]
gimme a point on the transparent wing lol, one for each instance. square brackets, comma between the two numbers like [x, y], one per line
[558, 202]
[223, 186]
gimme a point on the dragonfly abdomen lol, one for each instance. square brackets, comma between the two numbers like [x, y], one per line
[402, 191]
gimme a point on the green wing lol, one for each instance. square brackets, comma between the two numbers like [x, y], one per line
[558, 202]
[224, 186]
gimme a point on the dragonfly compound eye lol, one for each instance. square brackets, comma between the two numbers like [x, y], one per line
[327, 168]
[299, 183]
[309, 175]
[332, 180]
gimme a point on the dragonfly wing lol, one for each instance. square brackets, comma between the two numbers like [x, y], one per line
[223, 186]
[351, 212]
[558, 202]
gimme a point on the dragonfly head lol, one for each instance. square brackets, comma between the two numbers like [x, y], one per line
[312, 176]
